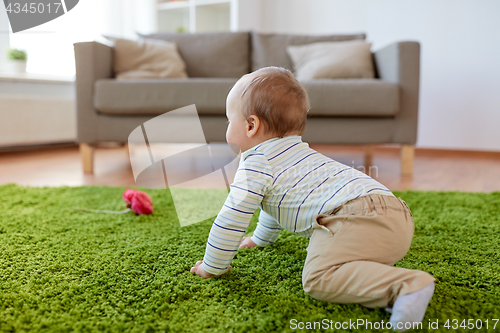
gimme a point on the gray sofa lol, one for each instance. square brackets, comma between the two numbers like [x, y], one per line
[343, 111]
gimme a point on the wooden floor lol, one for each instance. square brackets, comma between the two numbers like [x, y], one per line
[439, 170]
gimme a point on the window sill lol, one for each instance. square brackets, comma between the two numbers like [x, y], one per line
[36, 78]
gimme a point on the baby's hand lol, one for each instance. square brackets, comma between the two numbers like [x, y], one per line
[197, 269]
[247, 242]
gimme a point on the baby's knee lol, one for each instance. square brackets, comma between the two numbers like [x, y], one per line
[320, 283]
[312, 281]
[308, 287]
[310, 273]
[316, 289]
[306, 284]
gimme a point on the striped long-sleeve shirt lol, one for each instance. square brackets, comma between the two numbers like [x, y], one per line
[291, 183]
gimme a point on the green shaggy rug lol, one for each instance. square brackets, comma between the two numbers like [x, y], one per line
[67, 270]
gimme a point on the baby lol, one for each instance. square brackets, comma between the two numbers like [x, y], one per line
[358, 229]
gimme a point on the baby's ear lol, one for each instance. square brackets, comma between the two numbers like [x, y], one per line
[253, 123]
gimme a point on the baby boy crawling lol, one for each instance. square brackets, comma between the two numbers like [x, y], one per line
[358, 229]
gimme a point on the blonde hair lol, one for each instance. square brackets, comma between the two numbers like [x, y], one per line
[277, 99]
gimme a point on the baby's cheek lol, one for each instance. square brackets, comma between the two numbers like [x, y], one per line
[228, 133]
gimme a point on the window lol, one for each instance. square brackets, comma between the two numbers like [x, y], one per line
[50, 45]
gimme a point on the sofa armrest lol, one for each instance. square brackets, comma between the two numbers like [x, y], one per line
[93, 61]
[399, 63]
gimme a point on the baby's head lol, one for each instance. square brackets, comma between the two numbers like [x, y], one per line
[265, 104]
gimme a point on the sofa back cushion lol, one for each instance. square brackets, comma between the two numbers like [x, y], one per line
[270, 49]
[211, 54]
[149, 58]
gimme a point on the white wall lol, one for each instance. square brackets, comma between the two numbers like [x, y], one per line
[249, 14]
[460, 56]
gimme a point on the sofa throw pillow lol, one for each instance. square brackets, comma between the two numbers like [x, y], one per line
[335, 60]
[147, 59]
[270, 49]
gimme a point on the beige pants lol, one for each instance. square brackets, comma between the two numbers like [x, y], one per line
[351, 253]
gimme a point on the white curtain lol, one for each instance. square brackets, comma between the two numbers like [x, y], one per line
[4, 35]
[50, 45]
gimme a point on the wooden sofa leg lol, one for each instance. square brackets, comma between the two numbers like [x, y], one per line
[368, 158]
[407, 156]
[87, 154]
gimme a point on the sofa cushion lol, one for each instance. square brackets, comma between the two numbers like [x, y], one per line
[157, 96]
[211, 54]
[270, 49]
[352, 97]
[329, 97]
